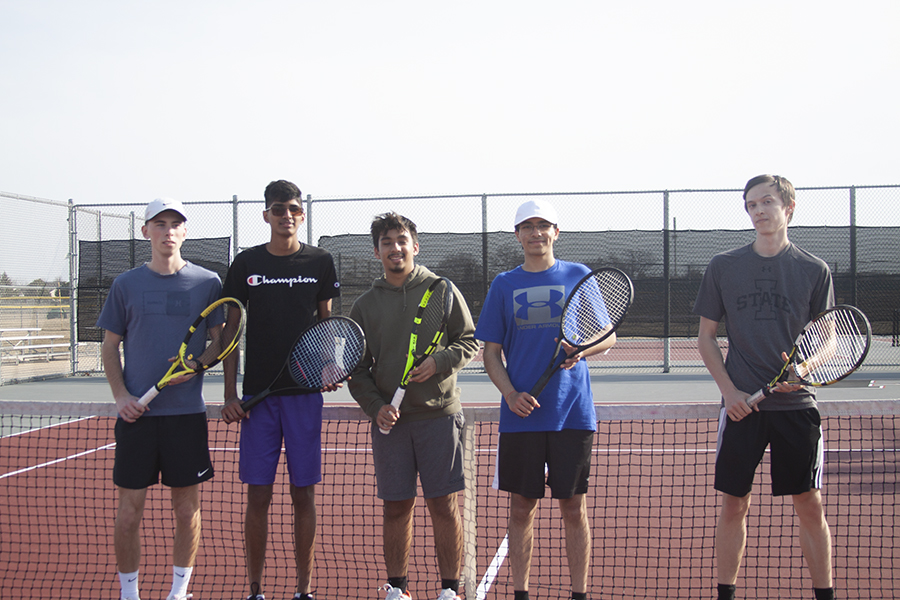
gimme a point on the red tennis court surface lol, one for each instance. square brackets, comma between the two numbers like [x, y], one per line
[651, 507]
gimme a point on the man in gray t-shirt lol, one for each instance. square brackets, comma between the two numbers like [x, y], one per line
[765, 292]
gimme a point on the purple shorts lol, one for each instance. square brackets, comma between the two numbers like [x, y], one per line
[295, 421]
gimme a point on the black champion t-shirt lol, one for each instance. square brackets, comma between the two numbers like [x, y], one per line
[281, 294]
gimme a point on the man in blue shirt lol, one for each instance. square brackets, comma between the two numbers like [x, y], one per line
[520, 320]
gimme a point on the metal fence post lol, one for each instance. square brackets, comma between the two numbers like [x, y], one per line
[667, 285]
[73, 287]
[853, 274]
[484, 246]
[235, 248]
[309, 223]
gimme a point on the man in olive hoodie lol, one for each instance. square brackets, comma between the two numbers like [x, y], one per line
[426, 432]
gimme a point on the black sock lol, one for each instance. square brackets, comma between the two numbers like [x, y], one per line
[579, 595]
[399, 582]
[824, 593]
[450, 584]
[726, 592]
[520, 595]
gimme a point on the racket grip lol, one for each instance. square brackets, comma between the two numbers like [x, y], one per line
[541, 384]
[150, 395]
[755, 398]
[395, 402]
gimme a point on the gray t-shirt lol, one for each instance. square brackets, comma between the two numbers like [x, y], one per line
[766, 302]
[152, 313]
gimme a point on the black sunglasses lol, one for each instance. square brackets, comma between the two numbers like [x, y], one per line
[279, 210]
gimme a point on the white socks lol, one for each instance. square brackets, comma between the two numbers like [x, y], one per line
[180, 578]
[129, 583]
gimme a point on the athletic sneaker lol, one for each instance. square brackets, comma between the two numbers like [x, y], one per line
[394, 593]
[185, 597]
[254, 592]
[448, 594]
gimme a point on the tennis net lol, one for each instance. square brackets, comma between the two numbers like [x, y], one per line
[651, 507]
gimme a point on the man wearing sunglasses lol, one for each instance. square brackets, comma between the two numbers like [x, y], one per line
[286, 285]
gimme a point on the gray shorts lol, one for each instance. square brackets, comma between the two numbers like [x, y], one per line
[433, 449]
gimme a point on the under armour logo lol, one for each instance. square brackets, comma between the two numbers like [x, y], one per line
[542, 304]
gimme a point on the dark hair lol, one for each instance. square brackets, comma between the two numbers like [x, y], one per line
[784, 187]
[391, 220]
[282, 191]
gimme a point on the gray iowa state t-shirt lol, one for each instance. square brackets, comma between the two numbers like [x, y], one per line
[765, 302]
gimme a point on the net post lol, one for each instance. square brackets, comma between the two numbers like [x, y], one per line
[469, 578]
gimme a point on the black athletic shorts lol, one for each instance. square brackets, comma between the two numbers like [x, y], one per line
[528, 461]
[176, 446]
[796, 451]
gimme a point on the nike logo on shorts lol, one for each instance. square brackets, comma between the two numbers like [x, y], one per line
[202, 473]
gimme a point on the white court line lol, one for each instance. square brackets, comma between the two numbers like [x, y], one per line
[46, 427]
[58, 460]
[491, 573]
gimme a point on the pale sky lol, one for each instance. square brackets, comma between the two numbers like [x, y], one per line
[112, 101]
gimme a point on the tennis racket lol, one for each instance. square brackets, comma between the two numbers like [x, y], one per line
[830, 347]
[593, 311]
[429, 326]
[324, 354]
[212, 352]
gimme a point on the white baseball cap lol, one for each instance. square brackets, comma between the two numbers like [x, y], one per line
[536, 208]
[161, 204]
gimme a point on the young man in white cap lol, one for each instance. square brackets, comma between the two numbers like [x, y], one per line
[520, 320]
[148, 310]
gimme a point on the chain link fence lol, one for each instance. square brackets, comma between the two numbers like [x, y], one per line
[662, 239]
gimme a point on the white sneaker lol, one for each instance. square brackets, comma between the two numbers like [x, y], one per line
[448, 594]
[394, 593]
[185, 597]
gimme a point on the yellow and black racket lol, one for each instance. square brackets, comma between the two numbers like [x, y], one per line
[429, 326]
[216, 347]
[830, 347]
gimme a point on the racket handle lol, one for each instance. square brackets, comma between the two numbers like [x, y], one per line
[150, 395]
[246, 406]
[395, 402]
[755, 398]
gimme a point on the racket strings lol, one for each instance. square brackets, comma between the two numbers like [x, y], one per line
[832, 347]
[326, 354]
[431, 321]
[597, 303]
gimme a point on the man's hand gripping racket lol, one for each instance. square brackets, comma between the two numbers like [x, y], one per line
[830, 347]
[192, 356]
[429, 326]
[594, 309]
[324, 355]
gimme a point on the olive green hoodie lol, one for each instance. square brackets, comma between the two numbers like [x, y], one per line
[386, 313]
